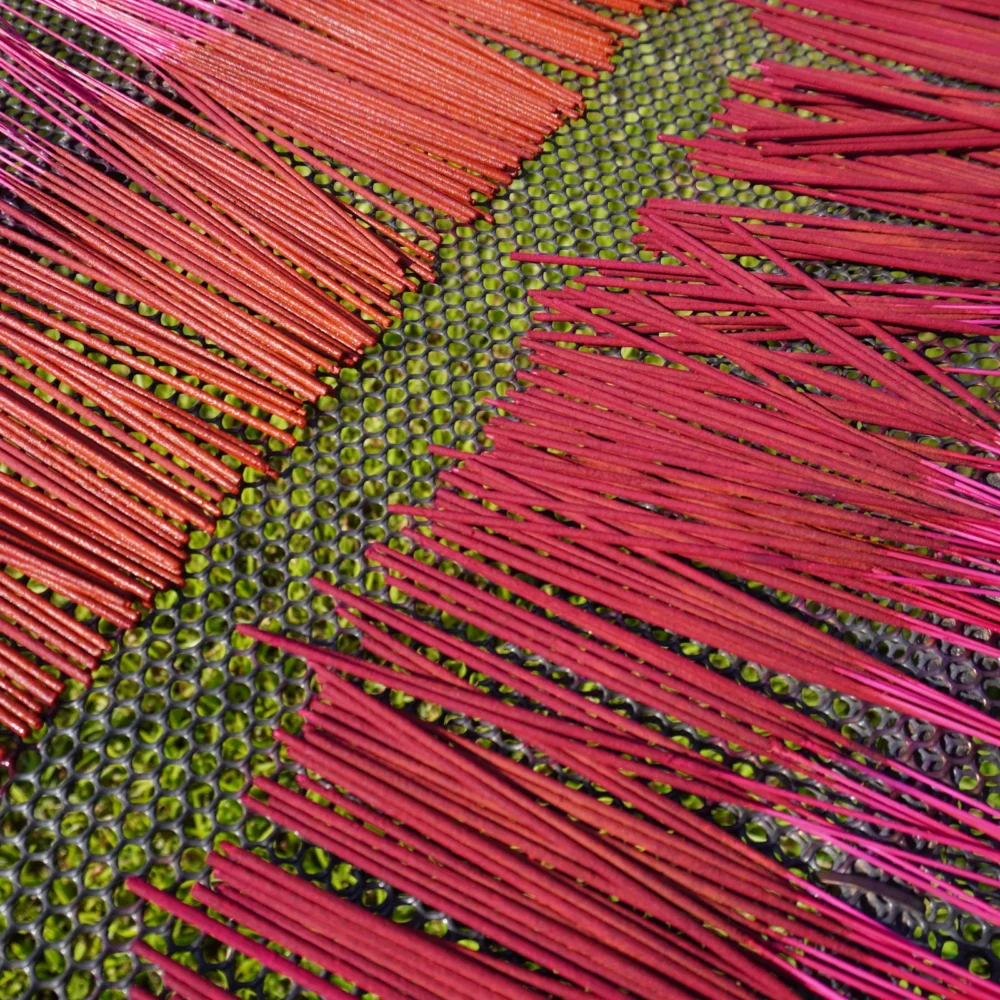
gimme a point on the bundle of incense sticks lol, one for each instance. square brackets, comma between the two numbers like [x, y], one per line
[445, 119]
[345, 940]
[103, 465]
[102, 469]
[33, 630]
[958, 38]
[816, 330]
[971, 257]
[882, 140]
[217, 220]
[183, 983]
[177, 197]
[649, 897]
[756, 467]
[100, 478]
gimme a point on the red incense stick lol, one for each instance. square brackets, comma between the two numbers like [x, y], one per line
[179, 978]
[185, 202]
[365, 730]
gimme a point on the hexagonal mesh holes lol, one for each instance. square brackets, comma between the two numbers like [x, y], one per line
[143, 773]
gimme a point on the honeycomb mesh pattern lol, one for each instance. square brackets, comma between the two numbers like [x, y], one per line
[143, 773]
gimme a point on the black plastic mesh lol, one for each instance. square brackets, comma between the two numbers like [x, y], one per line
[143, 773]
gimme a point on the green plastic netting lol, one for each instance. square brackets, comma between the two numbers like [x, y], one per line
[143, 773]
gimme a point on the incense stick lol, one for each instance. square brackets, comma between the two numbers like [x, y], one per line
[435, 795]
[174, 188]
[881, 138]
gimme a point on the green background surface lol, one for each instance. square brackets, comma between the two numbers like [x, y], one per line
[144, 772]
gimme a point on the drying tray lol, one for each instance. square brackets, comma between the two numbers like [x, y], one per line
[143, 773]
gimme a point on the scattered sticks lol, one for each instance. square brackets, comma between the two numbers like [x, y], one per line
[880, 139]
[677, 441]
[957, 38]
[688, 422]
[775, 439]
[597, 901]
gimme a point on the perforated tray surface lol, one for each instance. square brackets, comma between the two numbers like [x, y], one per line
[143, 773]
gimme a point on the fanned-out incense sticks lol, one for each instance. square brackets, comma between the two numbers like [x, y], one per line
[881, 140]
[696, 421]
[758, 470]
[972, 257]
[957, 38]
[106, 464]
[650, 897]
[443, 117]
[99, 475]
[175, 193]
[642, 484]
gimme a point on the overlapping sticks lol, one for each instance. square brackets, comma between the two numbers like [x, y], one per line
[179, 196]
[637, 875]
[879, 139]
[686, 422]
[956, 38]
[400, 92]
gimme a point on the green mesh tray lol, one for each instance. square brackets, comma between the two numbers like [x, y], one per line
[143, 773]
